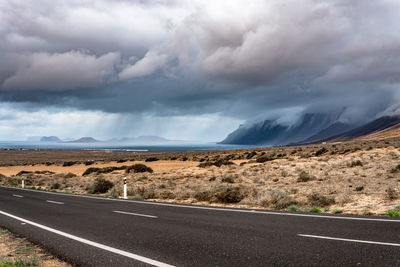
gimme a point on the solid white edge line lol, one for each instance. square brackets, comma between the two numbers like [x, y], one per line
[91, 243]
[350, 240]
[135, 214]
[17, 195]
[218, 209]
[55, 202]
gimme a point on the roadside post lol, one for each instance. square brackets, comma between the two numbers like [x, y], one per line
[125, 189]
[23, 183]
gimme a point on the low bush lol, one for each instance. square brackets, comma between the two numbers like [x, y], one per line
[69, 163]
[100, 186]
[251, 155]
[204, 196]
[276, 199]
[90, 170]
[321, 151]
[228, 179]
[293, 208]
[138, 168]
[103, 170]
[305, 177]
[392, 193]
[152, 159]
[264, 158]
[395, 169]
[356, 163]
[69, 175]
[337, 211]
[393, 213]
[320, 200]
[89, 162]
[217, 163]
[316, 210]
[229, 195]
[56, 185]
[23, 173]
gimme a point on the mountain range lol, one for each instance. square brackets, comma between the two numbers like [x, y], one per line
[313, 128]
[148, 139]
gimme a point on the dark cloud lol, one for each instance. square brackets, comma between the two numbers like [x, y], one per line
[173, 58]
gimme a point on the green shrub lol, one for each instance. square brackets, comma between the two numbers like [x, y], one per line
[137, 197]
[337, 211]
[393, 213]
[100, 186]
[293, 208]
[316, 210]
[28, 262]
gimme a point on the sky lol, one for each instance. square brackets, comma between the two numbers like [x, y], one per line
[191, 70]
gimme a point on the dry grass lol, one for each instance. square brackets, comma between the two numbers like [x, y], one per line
[357, 178]
[19, 251]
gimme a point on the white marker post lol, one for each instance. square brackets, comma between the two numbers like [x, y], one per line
[125, 189]
[23, 183]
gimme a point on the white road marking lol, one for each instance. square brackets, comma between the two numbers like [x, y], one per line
[135, 214]
[91, 243]
[55, 202]
[351, 240]
[18, 196]
[218, 209]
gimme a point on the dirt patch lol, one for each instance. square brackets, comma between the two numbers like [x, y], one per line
[18, 250]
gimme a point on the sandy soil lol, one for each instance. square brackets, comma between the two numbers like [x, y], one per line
[78, 169]
[13, 248]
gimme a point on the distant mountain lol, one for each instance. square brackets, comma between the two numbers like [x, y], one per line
[50, 139]
[85, 140]
[271, 132]
[147, 139]
[381, 127]
[333, 129]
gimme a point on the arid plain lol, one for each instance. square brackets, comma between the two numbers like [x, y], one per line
[352, 178]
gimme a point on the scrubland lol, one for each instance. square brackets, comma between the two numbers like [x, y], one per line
[351, 178]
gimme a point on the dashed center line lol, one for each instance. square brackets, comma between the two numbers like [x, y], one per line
[90, 243]
[351, 240]
[135, 214]
[18, 196]
[55, 202]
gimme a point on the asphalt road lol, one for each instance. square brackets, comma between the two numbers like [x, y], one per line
[88, 231]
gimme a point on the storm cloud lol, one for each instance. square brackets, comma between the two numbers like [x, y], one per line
[221, 60]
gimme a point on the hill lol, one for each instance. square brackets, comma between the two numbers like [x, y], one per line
[85, 140]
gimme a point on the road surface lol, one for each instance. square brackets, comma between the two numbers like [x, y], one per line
[90, 231]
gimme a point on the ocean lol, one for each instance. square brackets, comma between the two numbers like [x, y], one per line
[23, 145]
